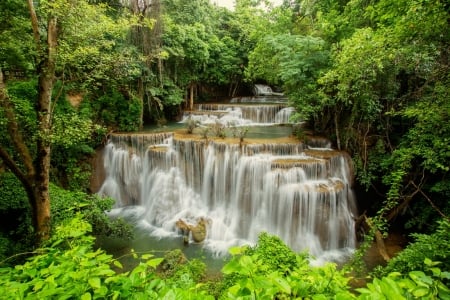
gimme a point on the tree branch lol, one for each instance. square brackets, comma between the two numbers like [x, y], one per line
[431, 202]
[34, 25]
[407, 199]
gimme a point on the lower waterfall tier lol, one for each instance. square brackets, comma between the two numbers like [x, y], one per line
[282, 187]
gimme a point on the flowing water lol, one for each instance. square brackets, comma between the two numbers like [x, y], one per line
[299, 191]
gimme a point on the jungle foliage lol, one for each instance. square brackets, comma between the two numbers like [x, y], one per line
[71, 267]
[16, 234]
[371, 75]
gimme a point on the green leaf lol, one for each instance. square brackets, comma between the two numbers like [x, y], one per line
[237, 250]
[420, 292]
[391, 289]
[231, 267]
[118, 264]
[86, 296]
[147, 256]
[155, 262]
[94, 282]
[420, 278]
[282, 284]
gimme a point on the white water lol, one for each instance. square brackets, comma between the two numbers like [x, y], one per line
[303, 196]
[240, 115]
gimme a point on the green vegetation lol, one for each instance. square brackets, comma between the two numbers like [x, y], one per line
[71, 267]
[373, 76]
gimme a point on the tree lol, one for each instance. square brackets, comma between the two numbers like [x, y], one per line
[295, 62]
[53, 26]
[389, 87]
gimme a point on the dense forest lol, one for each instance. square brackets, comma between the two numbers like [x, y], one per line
[370, 75]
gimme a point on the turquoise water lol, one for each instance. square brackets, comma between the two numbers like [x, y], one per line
[144, 243]
[258, 132]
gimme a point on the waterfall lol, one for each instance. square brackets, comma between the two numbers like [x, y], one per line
[243, 114]
[299, 193]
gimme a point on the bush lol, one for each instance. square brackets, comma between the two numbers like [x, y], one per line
[431, 283]
[65, 203]
[273, 271]
[76, 271]
[117, 111]
[434, 247]
[191, 124]
[180, 271]
[16, 231]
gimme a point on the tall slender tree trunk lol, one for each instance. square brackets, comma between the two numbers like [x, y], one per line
[191, 96]
[336, 127]
[46, 72]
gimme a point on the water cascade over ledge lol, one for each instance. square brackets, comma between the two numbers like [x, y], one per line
[300, 193]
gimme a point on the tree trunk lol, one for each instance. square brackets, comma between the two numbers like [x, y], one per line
[46, 72]
[191, 96]
[336, 126]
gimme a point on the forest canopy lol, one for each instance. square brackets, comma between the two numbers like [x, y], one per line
[372, 76]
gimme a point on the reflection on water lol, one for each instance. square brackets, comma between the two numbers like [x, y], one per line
[269, 132]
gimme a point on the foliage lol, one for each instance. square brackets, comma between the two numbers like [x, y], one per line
[67, 203]
[15, 220]
[204, 131]
[70, 267]
[181, 272]
[84, 273]
[94, 53]
[433, 247]
[191, 124]
[295, 61]
[238, 131]
[429, 284]
[271, 270]
[219, 130]
[275, 254]
[117, 110]
[23, 95]
[16, 44]
[79, 272]
[385, 99]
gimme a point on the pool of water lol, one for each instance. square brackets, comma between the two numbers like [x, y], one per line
[256, 131]
[145, 241]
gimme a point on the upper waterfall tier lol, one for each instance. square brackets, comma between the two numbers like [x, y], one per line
[240, 114]
[282, 186]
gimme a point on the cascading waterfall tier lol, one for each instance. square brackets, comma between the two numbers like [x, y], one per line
[300, 193]
[240, 114]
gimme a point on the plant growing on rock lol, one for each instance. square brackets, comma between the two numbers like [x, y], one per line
[219, 130]
[242, 133]
[191, 124]
[204, 132]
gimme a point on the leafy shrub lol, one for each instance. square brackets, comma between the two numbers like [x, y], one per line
[274, 253]
[66, 203]
[434, 247]
[23, 95]
[117, 111]
[180, 271]
[219, 130]
[204, 131]
[79, 272]
[16, 233]
[191, 124]
[432, 283]
[272, 270]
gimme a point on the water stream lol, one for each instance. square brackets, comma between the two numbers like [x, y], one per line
[298, 191]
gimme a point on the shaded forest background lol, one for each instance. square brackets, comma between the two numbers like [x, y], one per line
[373, 76]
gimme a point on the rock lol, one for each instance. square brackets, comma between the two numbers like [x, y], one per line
[198, 231]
